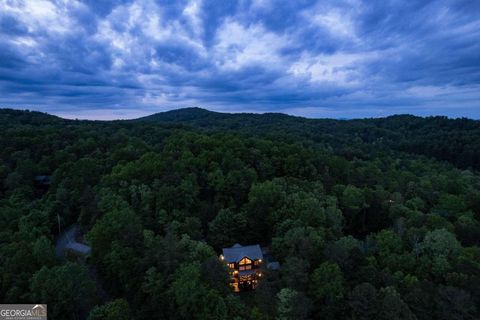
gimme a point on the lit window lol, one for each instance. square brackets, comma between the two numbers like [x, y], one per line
[245, 267]
[245, 261]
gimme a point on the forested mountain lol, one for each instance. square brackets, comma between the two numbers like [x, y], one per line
[454, 140]
[369, 219]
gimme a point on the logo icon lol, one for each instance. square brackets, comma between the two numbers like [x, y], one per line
[23, 312]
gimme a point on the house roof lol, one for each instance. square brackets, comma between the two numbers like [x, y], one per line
[78, 247]
[238, 252]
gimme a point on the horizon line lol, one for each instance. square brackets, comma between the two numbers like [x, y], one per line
[249, 112]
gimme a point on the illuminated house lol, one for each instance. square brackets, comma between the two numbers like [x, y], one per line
[244, 263]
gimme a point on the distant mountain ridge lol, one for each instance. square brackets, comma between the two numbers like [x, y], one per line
[454, 140]
[14, 116]
[206, 118]
[179, 114]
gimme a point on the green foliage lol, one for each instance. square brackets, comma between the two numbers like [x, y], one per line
[388, 242]
[43, 252]
[393, 307]
[363, 301]
[68, 290]
[227, 228]
[115, 310]
[303, 242]
[440, 242]
[292, 305]
[454, 303]
[353, 200]
[192, 296]
[342, 251]
[328, 282]
[361, 224]
[120, 225]
[295, 273]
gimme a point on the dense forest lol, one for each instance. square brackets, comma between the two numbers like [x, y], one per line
[369, 219]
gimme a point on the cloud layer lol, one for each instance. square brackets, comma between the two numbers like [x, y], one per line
[351, 58]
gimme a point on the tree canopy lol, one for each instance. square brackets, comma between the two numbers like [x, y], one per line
[373, 218]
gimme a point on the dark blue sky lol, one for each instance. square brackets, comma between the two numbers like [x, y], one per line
[123, 59]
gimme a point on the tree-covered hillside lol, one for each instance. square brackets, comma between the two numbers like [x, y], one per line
[453, 140]
[369, 219]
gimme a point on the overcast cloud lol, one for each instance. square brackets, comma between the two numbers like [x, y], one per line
[124, 59]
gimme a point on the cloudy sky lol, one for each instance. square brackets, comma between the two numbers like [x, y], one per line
[332, 58]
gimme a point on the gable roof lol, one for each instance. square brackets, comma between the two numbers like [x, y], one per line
[78, 247]
[238, 252]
